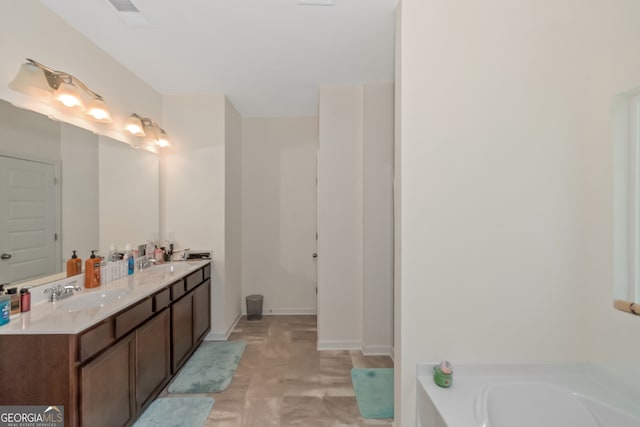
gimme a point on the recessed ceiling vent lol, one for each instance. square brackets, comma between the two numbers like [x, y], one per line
[130, 14]
[124, 6]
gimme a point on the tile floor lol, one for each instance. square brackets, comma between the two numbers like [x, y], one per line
[282, 380]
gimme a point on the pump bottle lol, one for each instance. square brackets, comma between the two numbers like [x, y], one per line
[92, 271]
[74, 265]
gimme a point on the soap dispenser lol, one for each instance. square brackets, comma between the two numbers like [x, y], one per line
[92, 271]
[74, 265]
[5, 306]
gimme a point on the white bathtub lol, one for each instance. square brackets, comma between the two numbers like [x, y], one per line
[524, 396]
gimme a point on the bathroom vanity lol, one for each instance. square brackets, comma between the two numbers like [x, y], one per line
[105, 354]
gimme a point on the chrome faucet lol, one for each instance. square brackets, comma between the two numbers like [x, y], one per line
[146, 263]
[61, 292]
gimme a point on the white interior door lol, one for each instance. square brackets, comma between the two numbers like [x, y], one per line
[298, 223]
[27, 220]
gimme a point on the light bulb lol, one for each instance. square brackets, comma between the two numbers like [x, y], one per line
[98, 110]
[134, 125]
[69, 95]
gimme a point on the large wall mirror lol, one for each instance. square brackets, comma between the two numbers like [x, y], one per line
[64, 188]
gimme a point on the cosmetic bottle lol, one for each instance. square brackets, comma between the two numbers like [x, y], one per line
[14, 309]
[149, 250]
[131, 262]
[443, 374]
[74, 265]
[92, 271]
[5, 306]
[159, 255]
[25, 299]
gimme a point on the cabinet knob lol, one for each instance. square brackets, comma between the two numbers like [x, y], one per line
[5, 256]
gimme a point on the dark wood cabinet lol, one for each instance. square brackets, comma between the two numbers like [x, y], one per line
[107, 387]
[109, 373]
[202, 310]
[190, 322]
[181, 331]
[153, 359]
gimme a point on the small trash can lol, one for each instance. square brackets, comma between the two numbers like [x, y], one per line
[254, 307]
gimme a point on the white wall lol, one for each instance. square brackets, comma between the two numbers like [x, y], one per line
[193, 195]
[129, 195]
[377, 222]
[340, 218]
[28, 134]
[80, 191]
[279, 212]
[506, 170]
[355, 218]
[397, 215]
[29, 30]
[233, 214]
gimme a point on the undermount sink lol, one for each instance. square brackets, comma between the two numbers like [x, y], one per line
[533, 404]
[172, 267]
[92, 299]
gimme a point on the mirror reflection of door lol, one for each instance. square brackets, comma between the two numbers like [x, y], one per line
[27, 220]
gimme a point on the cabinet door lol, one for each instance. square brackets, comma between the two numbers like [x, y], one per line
[107, 389]
[201, 310]
[153, 363]
[181, 331]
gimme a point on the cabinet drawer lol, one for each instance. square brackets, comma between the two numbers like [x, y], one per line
[177, 290]
[206, 271]
[94, 340]
[129, 319]
[161, 300]
[194, 279]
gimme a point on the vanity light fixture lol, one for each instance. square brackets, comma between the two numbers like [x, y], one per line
[69, 94]
[143, 126]
[33, 78]
[134, 125]
[163, 139]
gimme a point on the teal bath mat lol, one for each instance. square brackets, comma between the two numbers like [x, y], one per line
[176, 412]
[374, 391]
[210, 369]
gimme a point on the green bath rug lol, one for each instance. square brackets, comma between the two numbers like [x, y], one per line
[210, 369]
[374, 391]
[176, 412]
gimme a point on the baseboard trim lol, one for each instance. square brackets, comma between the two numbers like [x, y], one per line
[339, 345]
[377, 350]
[285, 311]
[222, 335]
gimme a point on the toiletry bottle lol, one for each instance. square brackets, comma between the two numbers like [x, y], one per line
[149, 250]
[158, 255]
[74, 265]
[5, 306]
[15, 301]
[25, 299]
[131, 262]
[92, 271]
[113, 254]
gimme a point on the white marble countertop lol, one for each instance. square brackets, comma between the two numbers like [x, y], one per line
[57, 318]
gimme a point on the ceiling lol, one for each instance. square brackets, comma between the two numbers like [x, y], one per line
[269, 57]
